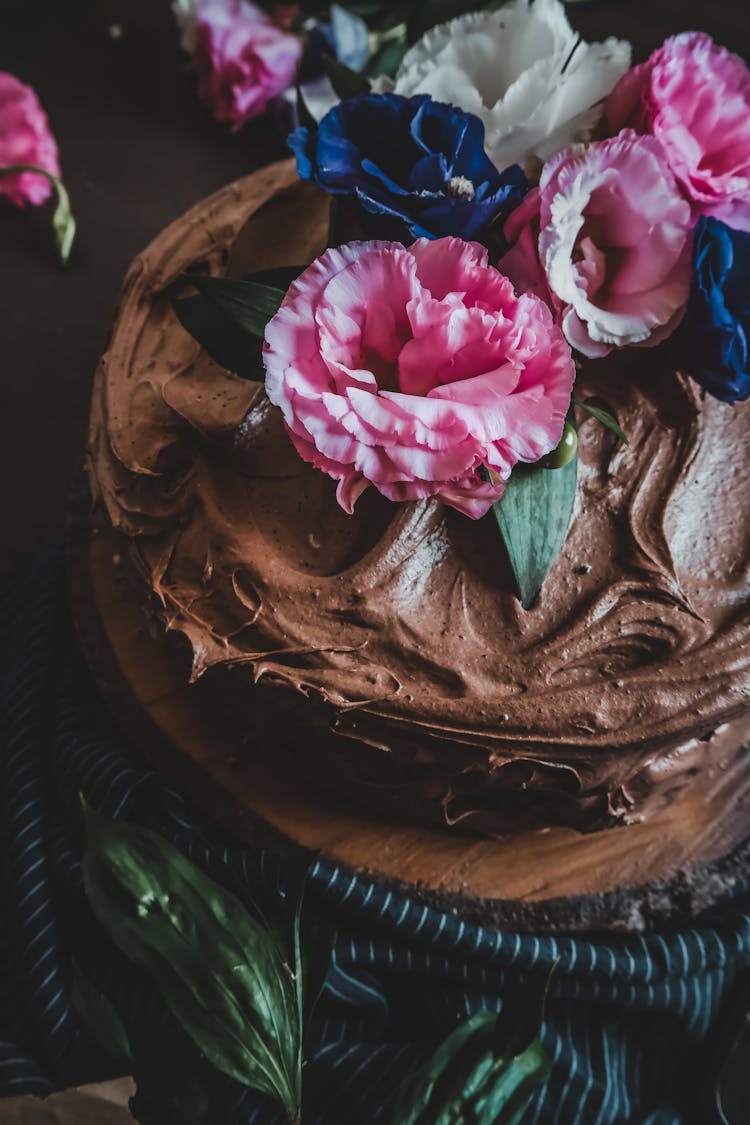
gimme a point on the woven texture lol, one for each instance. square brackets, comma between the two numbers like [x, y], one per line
[629, 1017]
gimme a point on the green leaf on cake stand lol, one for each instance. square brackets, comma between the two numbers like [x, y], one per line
[486, 1071]
[228, 317]
[534, 515]
[238, 986]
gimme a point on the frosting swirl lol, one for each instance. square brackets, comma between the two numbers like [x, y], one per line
[386, 651]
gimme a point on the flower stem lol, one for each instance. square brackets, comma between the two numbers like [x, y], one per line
[63, 222]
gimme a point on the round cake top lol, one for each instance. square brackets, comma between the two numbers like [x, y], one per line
[403, 617]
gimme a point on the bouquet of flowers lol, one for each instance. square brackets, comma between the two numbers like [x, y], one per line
[508, 203]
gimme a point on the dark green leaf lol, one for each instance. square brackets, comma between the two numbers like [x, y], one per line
[304, 116]
[63, 223]
[99, 1016]
[387, 60]
[346, 82]
[229, 317]
[534, 515]
[231, 346]
[278, 277]
[175, 1081]
[248, 304]
[608, 420]
[217, 966]
[485, 1072]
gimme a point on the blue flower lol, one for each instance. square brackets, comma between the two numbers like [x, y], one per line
[419, 165]
[712, 341]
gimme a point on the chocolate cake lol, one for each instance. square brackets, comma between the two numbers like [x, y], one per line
[385, 655]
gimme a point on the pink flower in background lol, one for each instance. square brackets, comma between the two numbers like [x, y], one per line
[694, 96]
[614, 244]
[242, 58]
[409, 369]
[25, 138]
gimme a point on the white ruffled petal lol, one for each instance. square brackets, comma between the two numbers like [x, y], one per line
[523, 70]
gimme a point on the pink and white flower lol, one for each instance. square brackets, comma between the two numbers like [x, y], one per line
[410, 369]
[610, 234]
[25, 138]
[694, 96]
[243, 59]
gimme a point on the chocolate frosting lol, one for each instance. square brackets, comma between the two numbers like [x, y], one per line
[387, 652]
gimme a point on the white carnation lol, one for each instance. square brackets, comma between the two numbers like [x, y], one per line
[533, 81]
[185, 13]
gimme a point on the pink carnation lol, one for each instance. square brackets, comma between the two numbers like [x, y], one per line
[610, 235]
[242, 58]
[409, 369]
[695, 97]
[25, 138]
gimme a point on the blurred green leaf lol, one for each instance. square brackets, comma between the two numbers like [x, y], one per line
[347, 83]
[486, 1071]
[99, 1016]
[221, 970]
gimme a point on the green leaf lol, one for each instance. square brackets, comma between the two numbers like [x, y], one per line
[486, 1071]
[248, 304]
[347, 83]
[218, 967]
[99, 1016]
[231, 346]
[534, 515]
[228, 318]
[63, 223]
[607, 420]
[304, 116]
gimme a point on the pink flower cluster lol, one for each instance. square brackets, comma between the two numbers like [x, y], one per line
[694, 97]
[606, 239]
[25, 138]
[410, 369]
[243, 59]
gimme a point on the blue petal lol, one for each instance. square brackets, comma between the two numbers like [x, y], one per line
[351, 38]
[712, 341]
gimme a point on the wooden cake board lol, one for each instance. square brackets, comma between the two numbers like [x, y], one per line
[660, 873]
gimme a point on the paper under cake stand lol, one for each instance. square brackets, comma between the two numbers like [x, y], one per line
[654, 874]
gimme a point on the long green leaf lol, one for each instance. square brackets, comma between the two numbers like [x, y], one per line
[231, 346]
[98, 1014]
[607, 419]
[485, 1072]
[248, 304]
[534, 515]
[217, 966]
[347, 83]
[228, 318]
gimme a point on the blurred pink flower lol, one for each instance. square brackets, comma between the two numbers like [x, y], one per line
[611, 236]
[694, 96]
[410, 369]
[242, 58]
[25, 138]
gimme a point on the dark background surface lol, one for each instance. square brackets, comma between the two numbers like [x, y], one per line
[137, 149]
